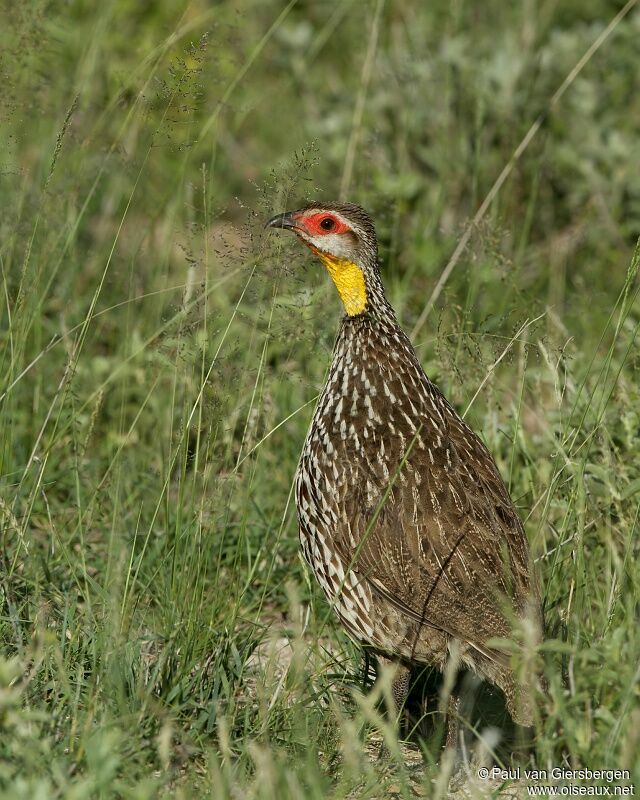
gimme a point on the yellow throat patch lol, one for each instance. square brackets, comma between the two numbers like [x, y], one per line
[349, 281]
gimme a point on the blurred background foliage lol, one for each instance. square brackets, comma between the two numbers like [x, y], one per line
[152, 336]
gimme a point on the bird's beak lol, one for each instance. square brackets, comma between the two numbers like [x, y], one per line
[285, 220]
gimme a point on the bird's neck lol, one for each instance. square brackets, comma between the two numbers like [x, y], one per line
[378, 319]
[376, 311]
[377, 342]
[348, 278]
[378, 307]
[358, 284]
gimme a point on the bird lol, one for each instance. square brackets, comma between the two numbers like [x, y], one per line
[403, 516]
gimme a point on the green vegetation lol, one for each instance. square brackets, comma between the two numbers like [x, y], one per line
[160, 356]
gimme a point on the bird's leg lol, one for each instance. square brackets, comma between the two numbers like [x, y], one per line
[450, 698]
[400, 683]
[400, 687]
[365, 669]
[453, 721]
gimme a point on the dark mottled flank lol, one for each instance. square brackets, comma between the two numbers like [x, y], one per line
[404, 517]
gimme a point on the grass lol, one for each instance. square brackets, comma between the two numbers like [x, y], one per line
[160, 357]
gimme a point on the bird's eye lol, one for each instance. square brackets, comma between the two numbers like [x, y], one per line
[327, 224]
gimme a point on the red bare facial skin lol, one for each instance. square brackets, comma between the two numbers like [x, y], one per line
[313, 223]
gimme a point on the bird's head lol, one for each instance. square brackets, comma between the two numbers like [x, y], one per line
[343, 237]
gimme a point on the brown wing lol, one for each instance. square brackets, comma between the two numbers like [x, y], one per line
[439, 538]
